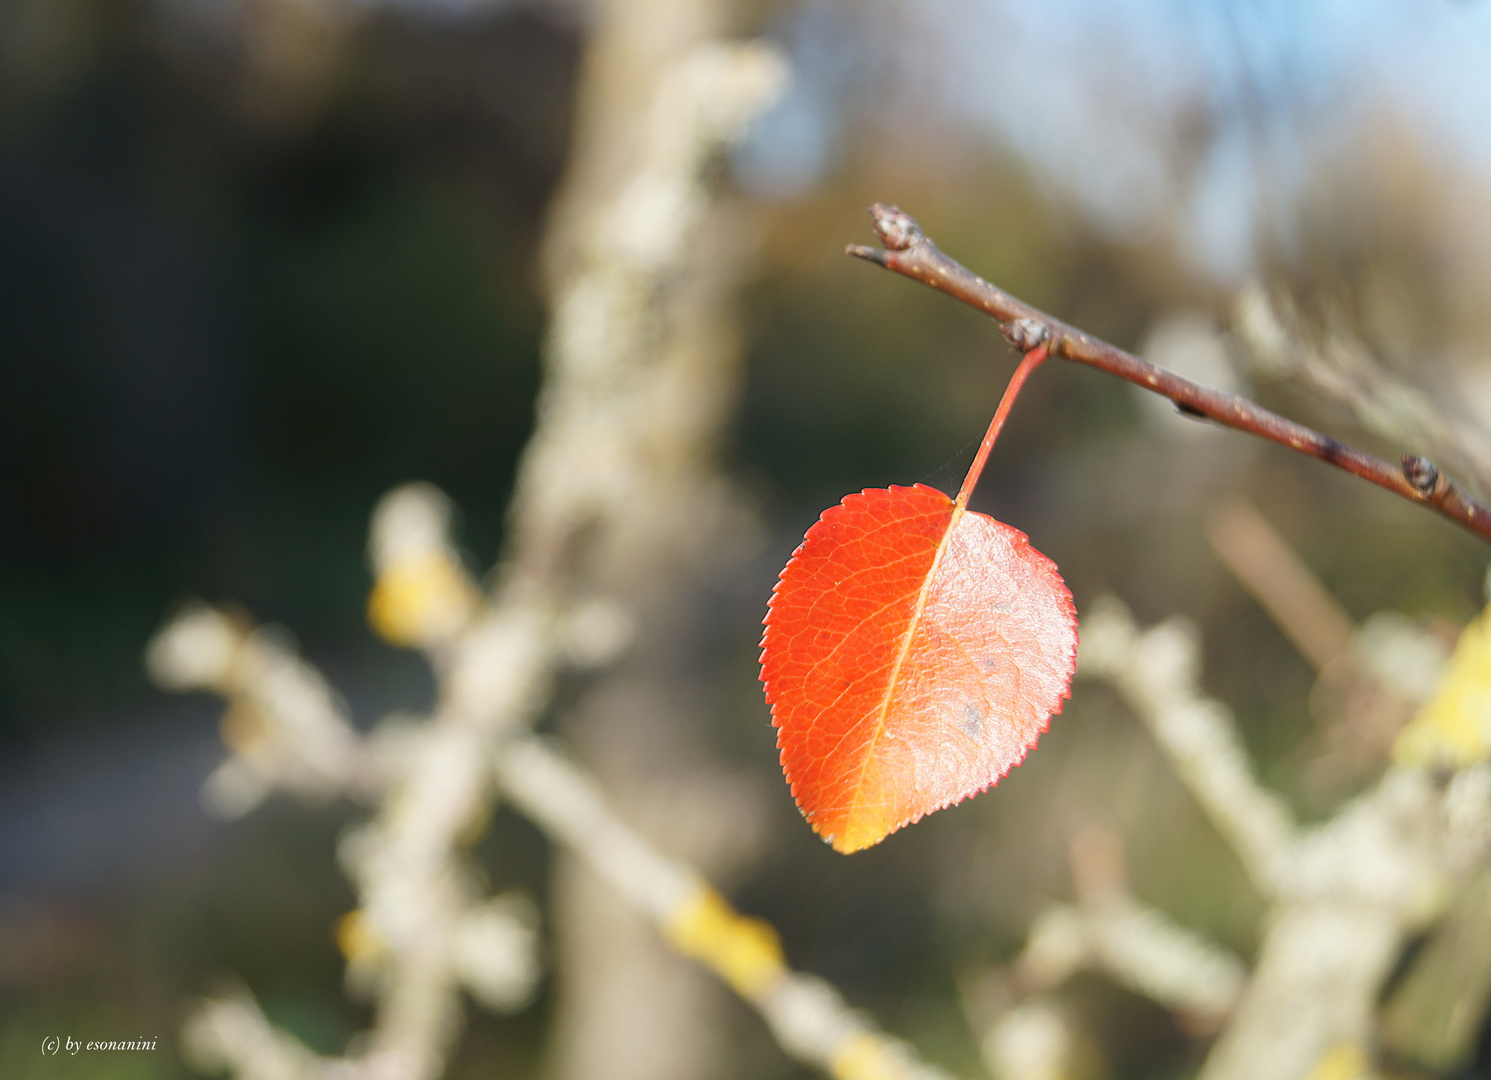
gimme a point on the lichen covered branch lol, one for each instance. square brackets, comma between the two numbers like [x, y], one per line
[808, 1016]
[613, 428]
[412, 885]
[1345, 895]
[1156, 672]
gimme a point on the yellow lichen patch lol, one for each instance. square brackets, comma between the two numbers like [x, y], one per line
[243, 727]
[1344, 1061]
[422, 601]
[864, 1056]
[1453, 728]
[476, 825]
[356, 937]
[745, 952]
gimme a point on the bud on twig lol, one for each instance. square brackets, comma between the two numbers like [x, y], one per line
[1421, 473]
[1026, 334]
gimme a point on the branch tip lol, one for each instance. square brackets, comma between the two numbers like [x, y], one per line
[869, 254]
[897, 229]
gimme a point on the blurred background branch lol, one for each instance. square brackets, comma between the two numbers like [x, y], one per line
[489, 947]
[1276, 343]
[1345, 895]
[621, 420]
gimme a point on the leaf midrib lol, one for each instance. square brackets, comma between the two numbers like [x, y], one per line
[883, 711]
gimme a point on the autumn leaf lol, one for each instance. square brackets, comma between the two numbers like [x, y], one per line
[914, 652]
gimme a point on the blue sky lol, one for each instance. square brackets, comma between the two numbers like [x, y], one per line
[1092, 94]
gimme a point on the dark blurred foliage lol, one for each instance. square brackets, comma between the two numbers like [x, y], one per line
[243, 293]
[225, 331]
[226, 336]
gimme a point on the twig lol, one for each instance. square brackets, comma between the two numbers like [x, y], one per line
[1274, 575]
[1157, 672]
[1111, 931]
[1345, 895]
[909, 252]
[230, 1033]
[1360, 708]
[808, 1016]
[1142, 947]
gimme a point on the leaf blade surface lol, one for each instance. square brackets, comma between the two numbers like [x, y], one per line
[912, 656]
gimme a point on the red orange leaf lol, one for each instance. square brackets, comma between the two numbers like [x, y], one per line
[914, 652]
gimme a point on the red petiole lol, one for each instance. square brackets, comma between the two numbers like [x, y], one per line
[1032, 361]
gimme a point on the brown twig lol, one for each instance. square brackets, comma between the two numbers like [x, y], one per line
[909, 252]
[1274, 575]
